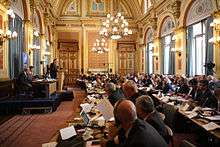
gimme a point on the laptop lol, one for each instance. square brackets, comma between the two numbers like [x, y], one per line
[85, 117]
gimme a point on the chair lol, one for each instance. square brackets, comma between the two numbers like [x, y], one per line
[170, 135]
[22, 91]
[170, 115]
[185, 143]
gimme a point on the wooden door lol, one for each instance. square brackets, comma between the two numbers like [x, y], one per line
[126, 58]
[68, 60]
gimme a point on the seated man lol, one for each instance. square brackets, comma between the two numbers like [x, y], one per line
[146, 111]
[114, 93]
[205, 97]
[138, 133]
[130, 90]
[24, 81]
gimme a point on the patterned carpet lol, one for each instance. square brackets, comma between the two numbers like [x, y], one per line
[34, 130]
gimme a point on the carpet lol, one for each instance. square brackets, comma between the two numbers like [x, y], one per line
[34, 130]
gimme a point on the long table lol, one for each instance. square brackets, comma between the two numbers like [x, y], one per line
[198, 121]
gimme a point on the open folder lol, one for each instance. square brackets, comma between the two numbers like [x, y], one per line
[106, 108]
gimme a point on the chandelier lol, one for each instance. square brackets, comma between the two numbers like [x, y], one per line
[115, 27]
[100, 46]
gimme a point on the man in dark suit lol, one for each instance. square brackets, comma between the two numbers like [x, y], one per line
[146, 111]
[24, 80]
[114, 93]
[205, 97]
[53, 69]
[138, 133]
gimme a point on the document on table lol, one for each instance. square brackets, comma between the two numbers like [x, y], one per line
[211, 126]
[49, 144]
[106, 108]
[193, 114]
[67, 132]
[86, 107]
[213, 118]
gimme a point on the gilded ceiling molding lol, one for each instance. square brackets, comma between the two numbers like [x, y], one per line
[71, 8]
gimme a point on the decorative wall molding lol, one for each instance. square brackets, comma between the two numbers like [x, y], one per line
[199, 10]
[72, 8]
[167, 27]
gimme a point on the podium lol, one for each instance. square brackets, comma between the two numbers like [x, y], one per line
[60, 79]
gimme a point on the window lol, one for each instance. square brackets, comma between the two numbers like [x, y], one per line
[168, 60]
[149, 56]
[199, 50]
[149, 52]
[147, 5]
[168, 57]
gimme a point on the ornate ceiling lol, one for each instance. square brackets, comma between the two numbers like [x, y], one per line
[134, 6]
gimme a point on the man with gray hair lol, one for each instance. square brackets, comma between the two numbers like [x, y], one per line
[130, 90]
[146, 111]
[138, 133]
[114, 93]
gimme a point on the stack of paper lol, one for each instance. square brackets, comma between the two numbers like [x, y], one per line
[211, 126]
[86, 107]
[67, 132]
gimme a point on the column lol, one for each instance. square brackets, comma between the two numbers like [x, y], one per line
[180, 46]
[157, 56]
[42, 52]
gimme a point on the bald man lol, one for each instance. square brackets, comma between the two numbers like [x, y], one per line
[130, 90]
[138, 133]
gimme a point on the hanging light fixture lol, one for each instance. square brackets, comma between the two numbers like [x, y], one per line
[100, 46]
[8, 34]
[115, 27]
[216, 25]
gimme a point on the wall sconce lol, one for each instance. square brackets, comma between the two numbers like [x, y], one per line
[46, 53]
[5, 35]
[156, 55]
[34, 47]
[216, 25]
[179, 51]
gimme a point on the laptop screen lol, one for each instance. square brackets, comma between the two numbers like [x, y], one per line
[85, 117]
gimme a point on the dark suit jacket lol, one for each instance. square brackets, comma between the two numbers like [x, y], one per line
[134, 97]
[115, 96]
[141, 134]
[53, 71]
[24, 81]
[184, 89]
[206, 99]
[155, 120]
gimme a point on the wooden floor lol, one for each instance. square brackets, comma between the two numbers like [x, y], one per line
[34, 130]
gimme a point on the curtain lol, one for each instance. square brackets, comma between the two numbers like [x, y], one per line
[189, 41]
[172, 63]
[36, 57]
[162, 45]
[16, 47]
[209, 46]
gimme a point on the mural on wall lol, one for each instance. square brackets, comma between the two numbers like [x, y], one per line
[72, 8]
[1, 47]
[98, 8]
